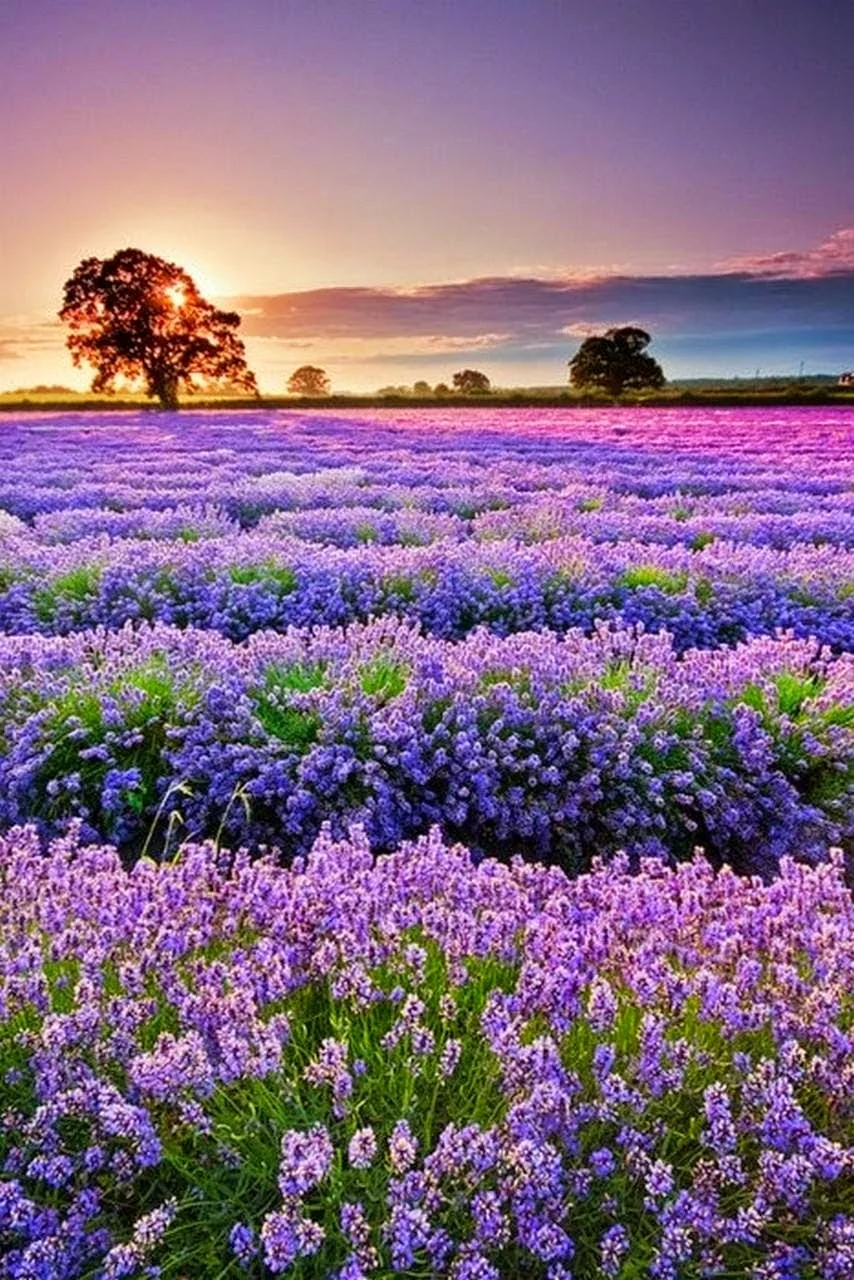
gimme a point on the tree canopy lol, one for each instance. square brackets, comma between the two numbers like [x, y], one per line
[308, 380]
[471, 382]
[616, 361]
[138, 317]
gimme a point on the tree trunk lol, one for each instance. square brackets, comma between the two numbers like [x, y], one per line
[166, 390]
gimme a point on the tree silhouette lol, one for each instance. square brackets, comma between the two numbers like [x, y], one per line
[471, 382]
[308, 380]
[616, 361]
[138, 317]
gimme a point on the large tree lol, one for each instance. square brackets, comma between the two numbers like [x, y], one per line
[471, 382]
[138, 317]
[310, 381]
[616, 361]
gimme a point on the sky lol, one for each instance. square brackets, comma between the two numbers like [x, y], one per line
[396, 190]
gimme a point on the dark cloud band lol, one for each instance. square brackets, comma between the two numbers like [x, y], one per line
[533, 310]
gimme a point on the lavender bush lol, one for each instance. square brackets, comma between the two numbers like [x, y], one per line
[562, 747]
[419, 1065]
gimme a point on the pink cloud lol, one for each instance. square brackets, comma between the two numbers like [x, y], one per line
[586, 329]
[833, 257]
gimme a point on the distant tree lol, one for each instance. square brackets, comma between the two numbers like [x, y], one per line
[216, 388]
[470, 382]
[400, 392]
[138, 317]
[46, 389]
[615, 362]
[310, 381]
[441, 389]
[421, 388]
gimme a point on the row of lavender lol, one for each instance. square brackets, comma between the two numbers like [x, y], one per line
[421, 1066]
[272, 525]
[718, 595]
[561, 747]
[582, 512]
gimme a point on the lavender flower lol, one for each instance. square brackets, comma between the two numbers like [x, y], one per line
[362, 1148]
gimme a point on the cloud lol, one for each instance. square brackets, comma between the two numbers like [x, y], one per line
[440, 342]
[398, 349]
[499, 313]
[461, 309]
[22, 337]
[582, 329]
[523, 330]
[833, 257]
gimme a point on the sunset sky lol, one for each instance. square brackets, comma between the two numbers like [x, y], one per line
[397, 189]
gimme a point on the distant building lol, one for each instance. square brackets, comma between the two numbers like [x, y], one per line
[846, 379]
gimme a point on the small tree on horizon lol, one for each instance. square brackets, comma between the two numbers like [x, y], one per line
[616, 361]
[309, 381]
[471, 382]
[138, 317]
[422, 388]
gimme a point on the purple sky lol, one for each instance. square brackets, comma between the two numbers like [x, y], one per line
[401, 189]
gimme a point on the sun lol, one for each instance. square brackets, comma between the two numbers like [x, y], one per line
[176, 296]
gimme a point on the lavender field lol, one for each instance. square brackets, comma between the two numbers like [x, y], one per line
[423, 844]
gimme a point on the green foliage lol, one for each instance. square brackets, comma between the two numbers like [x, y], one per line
[804, 594]
[635, 683]
[280, 705]
[470, 382]
[383, 677]
[731, 393]
[310, 381]
[248, 1118]
[268, 573]
[226, 1170]
[404, 586]
[796, 722]
[75, 587]
[560, 582]
[135, 316]
[413, 538]
[704, 591]
[616, 361]
[516, 678]
[702, 540]
[124, 724]
[650, 575]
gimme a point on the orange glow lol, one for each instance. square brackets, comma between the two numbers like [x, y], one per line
[175, 296]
